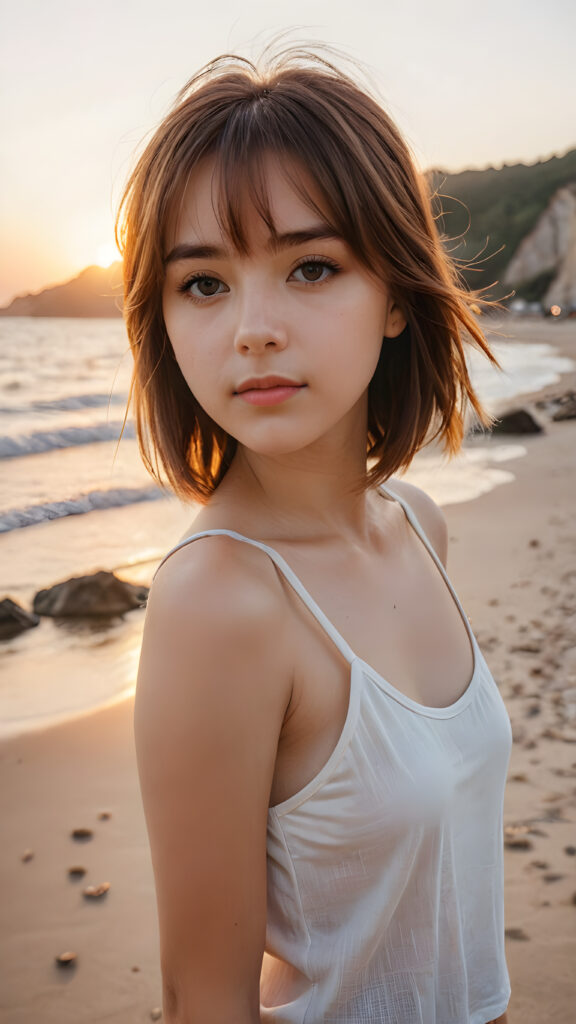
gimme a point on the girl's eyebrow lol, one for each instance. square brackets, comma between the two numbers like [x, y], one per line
[205, 251]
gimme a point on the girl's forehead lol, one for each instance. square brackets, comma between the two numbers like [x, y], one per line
[283, 198]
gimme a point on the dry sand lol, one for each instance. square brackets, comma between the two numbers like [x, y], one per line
[513, 562]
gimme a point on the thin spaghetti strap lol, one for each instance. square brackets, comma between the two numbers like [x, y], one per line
[412, 518]
[287, 572]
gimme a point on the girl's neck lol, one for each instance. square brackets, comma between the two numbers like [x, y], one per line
[315, 495]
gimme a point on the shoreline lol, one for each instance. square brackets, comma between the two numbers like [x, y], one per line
[512, 561]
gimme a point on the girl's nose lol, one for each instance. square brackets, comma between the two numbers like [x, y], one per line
[258, 329]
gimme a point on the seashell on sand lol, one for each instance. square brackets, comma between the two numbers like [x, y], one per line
[95, 891]
[66, 959]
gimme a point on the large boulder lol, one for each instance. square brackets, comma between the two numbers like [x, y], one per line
[517, 421]
[101, 593]
[14, 619]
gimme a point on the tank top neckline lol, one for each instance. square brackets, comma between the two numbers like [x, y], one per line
[353, 659]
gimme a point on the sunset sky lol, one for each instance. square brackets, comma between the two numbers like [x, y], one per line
[470, 85]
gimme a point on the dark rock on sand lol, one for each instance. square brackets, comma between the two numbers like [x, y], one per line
[560, 407]
[77, 871]
[14, 619]
[516, 933]
[82, 833]
[567, 410]
[532, 711]
[517, 421]
[518, 843]
[101, 594]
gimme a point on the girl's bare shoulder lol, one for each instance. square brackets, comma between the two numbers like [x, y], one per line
[228, 584]
[428, 513]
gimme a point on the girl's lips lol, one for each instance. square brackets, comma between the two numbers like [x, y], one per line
[270, 396]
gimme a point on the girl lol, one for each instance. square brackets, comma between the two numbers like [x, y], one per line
[321, 747]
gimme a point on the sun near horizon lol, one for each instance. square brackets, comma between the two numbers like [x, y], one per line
[107, 254]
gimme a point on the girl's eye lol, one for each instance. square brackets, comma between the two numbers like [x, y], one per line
[202, 286]
[315, 271]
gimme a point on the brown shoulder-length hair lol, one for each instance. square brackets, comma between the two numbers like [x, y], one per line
[315, 117]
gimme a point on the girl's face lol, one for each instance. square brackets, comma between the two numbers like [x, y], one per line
[278, 346]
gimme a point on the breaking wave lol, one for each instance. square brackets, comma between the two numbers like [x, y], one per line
[30, 515]
[41, 441]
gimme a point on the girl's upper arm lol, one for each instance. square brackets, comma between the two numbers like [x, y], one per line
[213, 686]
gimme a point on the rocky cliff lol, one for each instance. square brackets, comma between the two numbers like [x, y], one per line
[550, 248]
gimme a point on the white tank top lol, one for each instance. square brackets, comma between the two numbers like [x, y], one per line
[385, 872]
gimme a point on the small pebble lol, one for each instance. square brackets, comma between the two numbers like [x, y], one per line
[77, 871]
[104, 815]
[519, 777]
[552, 877]
[82, 833]
[516, 933]
[534, 543]
[533, 710]
[65, 959]
[570, 850]
[27, 855]
[156, 1013]
[541, 864]
[518, 843]
[135, 968]
[95, 891]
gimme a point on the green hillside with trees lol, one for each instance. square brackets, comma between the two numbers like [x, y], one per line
[484, 215]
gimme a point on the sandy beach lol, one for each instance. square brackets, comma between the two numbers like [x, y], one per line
[512, 559]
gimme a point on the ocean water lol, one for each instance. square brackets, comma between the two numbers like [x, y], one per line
[73, 498]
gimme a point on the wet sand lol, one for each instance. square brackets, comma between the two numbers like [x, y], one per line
[512, 559]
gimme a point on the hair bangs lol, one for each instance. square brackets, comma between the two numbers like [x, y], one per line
[255, 134]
